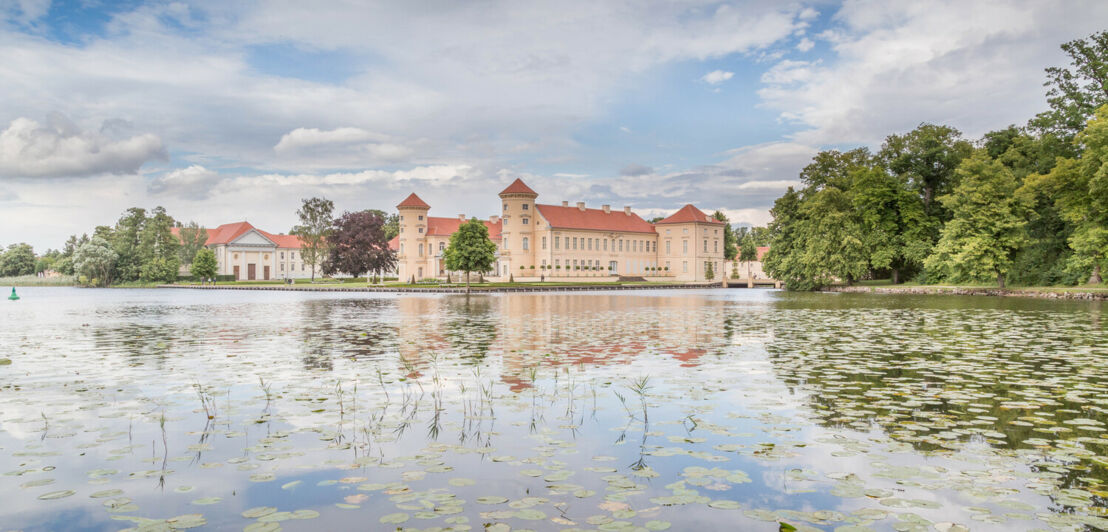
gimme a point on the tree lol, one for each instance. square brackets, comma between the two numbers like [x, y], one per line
[391, 223]
[730, 243]
[193, 237]
[833, 239]
[709, 272]
[784, 260]
[126, 240]
[748, 252]
[159, 248]
[987, 224]
[1075, 92]
[95, 260]
[896, 232]
[470, 249]
[1080, 191]
[358, 244]
[204, 265]
[19, 259]
[314, 229]
[926, 158]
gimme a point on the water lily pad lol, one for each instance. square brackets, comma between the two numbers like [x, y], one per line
[394, 518]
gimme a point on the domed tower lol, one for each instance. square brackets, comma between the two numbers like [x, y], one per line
[411, 258]
[517, 247]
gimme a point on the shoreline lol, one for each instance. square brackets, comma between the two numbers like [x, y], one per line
[446, 290]
[1040, 293]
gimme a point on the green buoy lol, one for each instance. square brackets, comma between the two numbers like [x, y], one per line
[13, 297]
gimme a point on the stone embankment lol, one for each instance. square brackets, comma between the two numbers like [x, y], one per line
[444, 289]
[967, 291]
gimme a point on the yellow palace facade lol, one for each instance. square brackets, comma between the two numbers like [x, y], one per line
[567, 241]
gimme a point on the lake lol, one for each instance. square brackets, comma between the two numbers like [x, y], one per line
[636, 410]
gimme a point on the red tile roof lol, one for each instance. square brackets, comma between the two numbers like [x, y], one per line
[437, 226]
[688, 214]
[518, 187]
[595, 219]
[762, 250]
[394, 244]
[227, 233]
[413, 201]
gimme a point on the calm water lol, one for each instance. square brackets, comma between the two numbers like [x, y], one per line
[680, 410]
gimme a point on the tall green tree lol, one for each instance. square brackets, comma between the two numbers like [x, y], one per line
[730, 243]
[1076, 91]
[19, 259]
[126, 240]
[316, 219]
[834, 248]
[987, 224]
[784, 261]
[833, 168]
[193, 238]
[1080, 191]
[204, 264]
[895, 231]
[926, 159]
[748, 251]
[470, 250]
[159, 248]
[95, 261]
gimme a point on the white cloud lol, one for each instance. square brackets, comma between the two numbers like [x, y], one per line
[716, 76]
[976, 66]
[805, 44]
[60, 149]
[194, 183]
[302, 138]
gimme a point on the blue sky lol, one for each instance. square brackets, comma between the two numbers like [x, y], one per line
[226, 111]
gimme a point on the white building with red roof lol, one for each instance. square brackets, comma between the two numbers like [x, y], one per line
[567, 241]
[249, 254]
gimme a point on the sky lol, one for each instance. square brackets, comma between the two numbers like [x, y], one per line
[227, 111]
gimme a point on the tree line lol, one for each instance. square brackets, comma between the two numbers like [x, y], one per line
[1023, 205]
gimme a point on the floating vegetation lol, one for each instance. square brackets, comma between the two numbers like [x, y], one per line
[653, 411]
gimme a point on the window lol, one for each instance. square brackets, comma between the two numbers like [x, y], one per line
[505, 207]
[401, 248]
[282, 266]
[293, 255]
[667, 265]
[421, 217]
[525, 244]
[282, 255]
[621, 245]
[544, 264]
[685, 266]
[715, 245]
[557, 242]
[685, 231]
[544, 246]
[442, 246]
[605, 244]
[705, 245]
[684, 247]
[557, 263]
[401, 218]
[421, 250]
[420, 230]
[590, 244]
[667, 247]
[574, 243]
[505, 243]
[526, 221]
[524, 206]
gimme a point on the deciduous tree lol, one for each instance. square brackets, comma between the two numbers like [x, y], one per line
[193, 238]
[358, 244]
[204, 264]
[95, 260]
[470, 250]
[19, 259]
[315, 227]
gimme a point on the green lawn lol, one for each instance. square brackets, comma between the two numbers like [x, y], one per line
[1079, 288]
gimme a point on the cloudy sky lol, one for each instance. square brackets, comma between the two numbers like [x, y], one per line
[223, 111]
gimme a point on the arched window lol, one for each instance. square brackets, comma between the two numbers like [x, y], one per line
[526, 245]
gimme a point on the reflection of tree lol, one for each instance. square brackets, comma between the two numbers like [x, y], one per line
[470, 325]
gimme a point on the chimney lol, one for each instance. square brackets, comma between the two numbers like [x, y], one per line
[462, 217]
[494, 219]
[581, 205]
[565, 203]
[607, 208]
[627, 210]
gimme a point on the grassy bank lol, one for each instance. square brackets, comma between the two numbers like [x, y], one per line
[1088, 292]
[34, 280]
[1101, 288]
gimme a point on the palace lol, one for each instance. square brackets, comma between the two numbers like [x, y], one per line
[567, 241]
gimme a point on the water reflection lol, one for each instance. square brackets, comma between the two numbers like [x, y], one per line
[679, 409]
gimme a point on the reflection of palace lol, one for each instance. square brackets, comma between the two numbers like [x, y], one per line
[559, 330]
[567, 241]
